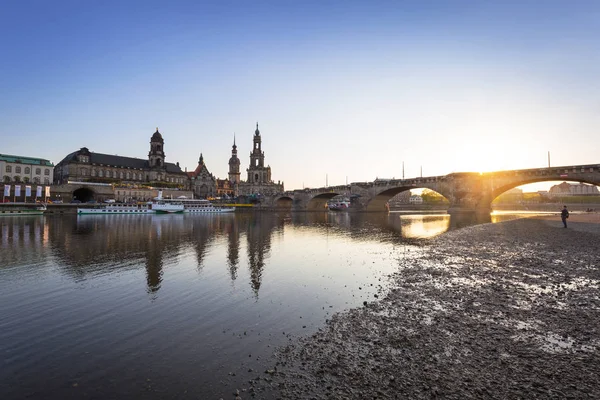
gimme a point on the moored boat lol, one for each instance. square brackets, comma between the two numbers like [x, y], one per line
[113, 208]
[338, 205]
[195, 206]
[21, 209]
[167, 206]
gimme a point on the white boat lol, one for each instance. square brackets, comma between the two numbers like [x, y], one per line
[113, 208]
[21, 209]
[199, 206]
[339, 205]
[167, 206]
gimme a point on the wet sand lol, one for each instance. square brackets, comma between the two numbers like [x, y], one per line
[499, 311]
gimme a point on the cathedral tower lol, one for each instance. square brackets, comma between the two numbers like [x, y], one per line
[257, 173]
[156, 156]
[234, 165]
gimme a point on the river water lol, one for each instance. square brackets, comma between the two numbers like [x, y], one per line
[180, 306]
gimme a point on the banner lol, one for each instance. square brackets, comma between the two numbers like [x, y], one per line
[7, 190]
[38, 191]
[17, 190]
[47, 191]
[27, 191]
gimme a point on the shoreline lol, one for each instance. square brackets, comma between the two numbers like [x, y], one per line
[505, 310]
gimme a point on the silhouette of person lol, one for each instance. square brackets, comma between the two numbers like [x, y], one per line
[564, 214]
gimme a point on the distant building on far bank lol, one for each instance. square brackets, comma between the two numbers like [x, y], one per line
[566, 189]
[86, 166]
[23, 169]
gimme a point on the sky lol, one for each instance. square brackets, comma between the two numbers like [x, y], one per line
[343, 91]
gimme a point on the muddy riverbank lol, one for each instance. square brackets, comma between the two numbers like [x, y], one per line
[509, 310]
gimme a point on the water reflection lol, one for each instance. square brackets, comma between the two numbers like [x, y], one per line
[89, 245]
[421, 226]
[115, 298]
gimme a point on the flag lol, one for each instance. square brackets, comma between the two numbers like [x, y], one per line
[7, 190]
[27, 191]
[47, 191]
[38, 191]
[17, 190]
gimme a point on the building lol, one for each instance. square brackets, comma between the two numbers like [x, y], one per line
[415, 199]
[202, 182]
[234, 170]
[259, 176]
[573, 189]
[86, 166]
[18, 169]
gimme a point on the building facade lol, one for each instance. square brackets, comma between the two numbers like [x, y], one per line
[86, 166]
[573, 189]
[259, 176]
[18, 169]
[203, 183]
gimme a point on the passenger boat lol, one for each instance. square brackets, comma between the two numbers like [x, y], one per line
[167, 206]
[199, 206]
[113, 208]
[21, 209]
[339, 205]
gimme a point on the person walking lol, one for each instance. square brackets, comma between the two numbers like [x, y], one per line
[564, 214]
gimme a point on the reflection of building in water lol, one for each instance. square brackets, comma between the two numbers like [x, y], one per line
[233, 250]
[259, 233]
[23, 238]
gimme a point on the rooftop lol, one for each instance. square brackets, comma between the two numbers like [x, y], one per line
[25, 160]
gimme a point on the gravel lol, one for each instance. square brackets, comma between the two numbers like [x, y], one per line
[506, 311]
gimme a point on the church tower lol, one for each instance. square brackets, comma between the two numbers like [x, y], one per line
[234, 165]
[156, 156]
[257, 173]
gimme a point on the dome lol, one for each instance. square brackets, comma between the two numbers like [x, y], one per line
[157, 135]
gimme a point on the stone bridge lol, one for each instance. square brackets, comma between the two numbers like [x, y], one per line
[466, 191]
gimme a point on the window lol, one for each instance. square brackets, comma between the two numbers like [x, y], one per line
[18, 170]
[8, 168]
[128, 175]
[46, 181]
[121, 174]
[6, 179]
[46, 171]
[100, 173]
[26, 179]
[27, 170]
[17, 179]
[38, 171]
[93, 172]
[36, 180]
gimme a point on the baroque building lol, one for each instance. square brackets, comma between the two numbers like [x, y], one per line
[86, 166]
[203, 183]
[259, 176]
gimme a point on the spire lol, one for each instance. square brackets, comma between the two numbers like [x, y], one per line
[257, 132]
[234, 146]
[201, 160]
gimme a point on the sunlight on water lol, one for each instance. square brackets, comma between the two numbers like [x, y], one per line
[423, 226]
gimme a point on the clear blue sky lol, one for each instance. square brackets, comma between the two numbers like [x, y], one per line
[340, 88]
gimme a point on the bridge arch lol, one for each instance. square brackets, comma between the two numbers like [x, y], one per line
[319, 202]
[379, 202]
[284, 202]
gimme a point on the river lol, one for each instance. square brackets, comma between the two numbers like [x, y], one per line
[181, 306]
